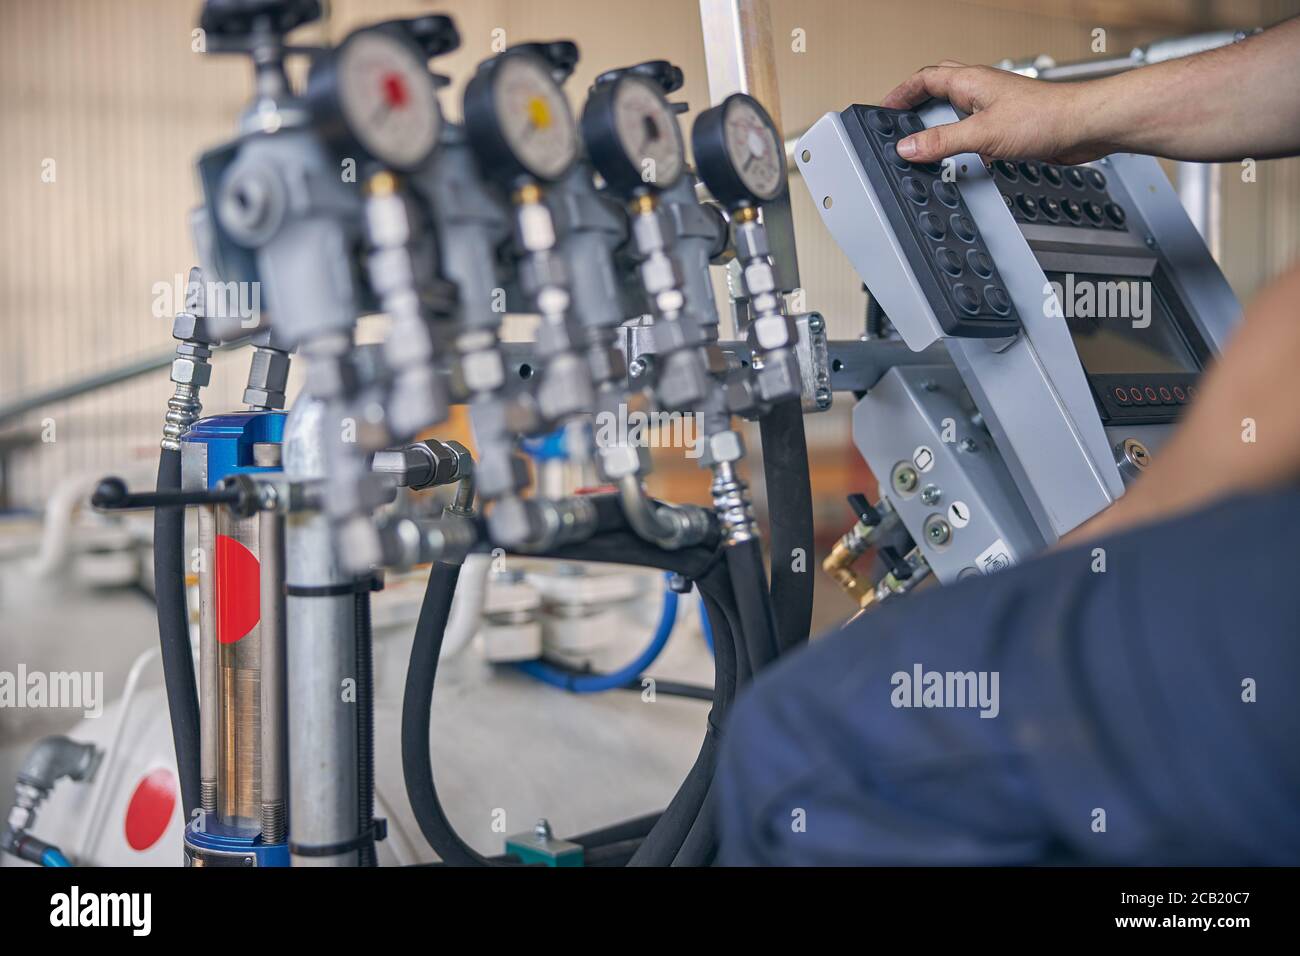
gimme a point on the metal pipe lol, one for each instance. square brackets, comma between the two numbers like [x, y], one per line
[1200, 192]
[209, 728]
[663, 525]
[321, 659]
[274, 715]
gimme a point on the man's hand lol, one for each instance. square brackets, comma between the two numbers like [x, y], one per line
[1012, 116]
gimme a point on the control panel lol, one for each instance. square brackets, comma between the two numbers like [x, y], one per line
[942, 243]
[1026, 424]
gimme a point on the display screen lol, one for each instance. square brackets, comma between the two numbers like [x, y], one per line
[1121, 324]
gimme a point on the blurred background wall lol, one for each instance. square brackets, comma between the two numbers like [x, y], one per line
[109, 97]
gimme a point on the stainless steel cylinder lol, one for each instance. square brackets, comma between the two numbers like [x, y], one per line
[321, 642]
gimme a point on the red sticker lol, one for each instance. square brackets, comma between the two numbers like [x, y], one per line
[239, 590]
[150, 809]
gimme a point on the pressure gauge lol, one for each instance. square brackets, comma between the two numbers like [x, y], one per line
[518, 119]
[632, 135]
[738, 152]
[376, 94]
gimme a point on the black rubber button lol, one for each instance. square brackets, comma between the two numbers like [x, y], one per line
[1150, 393]
[1029, 170]
[1073, 211]
[966, 298]
[915, 190]
[1050, 207]
[1028, 207]
[1052, 174]
[1006, 170]
[997, 299]
[909, 123]
[1074, 177]
[1095, 179]
[892, 152]
[882, 123]
[1092, 211]
[962, 227]
[948, 261]
[1121, 395]
[1115, 213]
[947, 193]
[1166, 396]
[932, 225]
[1180, 394]
[980, 263]
[1135, 393]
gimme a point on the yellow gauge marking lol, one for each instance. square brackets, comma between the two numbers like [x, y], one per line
[539, 113]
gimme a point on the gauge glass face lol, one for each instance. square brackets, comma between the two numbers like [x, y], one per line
[753, 150]
[648, 132]
[534, 117]
[388, 100]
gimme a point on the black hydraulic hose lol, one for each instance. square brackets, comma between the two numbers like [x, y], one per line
[365, 676]
[662, 844]
[701, 844]
[753, 603]
[174, 632]
[790, 514]
[633, 829]
[417, 710]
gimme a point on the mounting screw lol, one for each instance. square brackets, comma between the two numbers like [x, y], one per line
[904, 478]
[823, 396]
[816, 323]
[968, 444]
[931, 494]
[937, 530]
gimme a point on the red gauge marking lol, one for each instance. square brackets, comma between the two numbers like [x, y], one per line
[395, 92]
[150, 808]
[239, 590]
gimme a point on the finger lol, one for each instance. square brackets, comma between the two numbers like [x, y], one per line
[939, 142]
[919, 87]
[953, 63]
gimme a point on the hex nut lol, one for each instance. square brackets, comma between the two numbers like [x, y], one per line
[188, 371]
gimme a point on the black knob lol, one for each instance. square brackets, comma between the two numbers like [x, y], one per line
[435, 34]
[669, 77]
[561, 55]
[237, 18]
[108, 492]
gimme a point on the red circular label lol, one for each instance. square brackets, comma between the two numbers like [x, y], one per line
[150, 808]
[239, 590]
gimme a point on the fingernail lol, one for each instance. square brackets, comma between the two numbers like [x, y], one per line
[907, 147]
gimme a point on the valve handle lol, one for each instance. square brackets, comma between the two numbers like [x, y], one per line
[111, 494]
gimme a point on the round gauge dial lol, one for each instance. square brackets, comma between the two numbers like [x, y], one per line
[386, 99]
[519, 119]
[632, 135]
[648, 130]
[739, 152]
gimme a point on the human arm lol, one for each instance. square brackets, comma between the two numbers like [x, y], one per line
[1223, 104]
